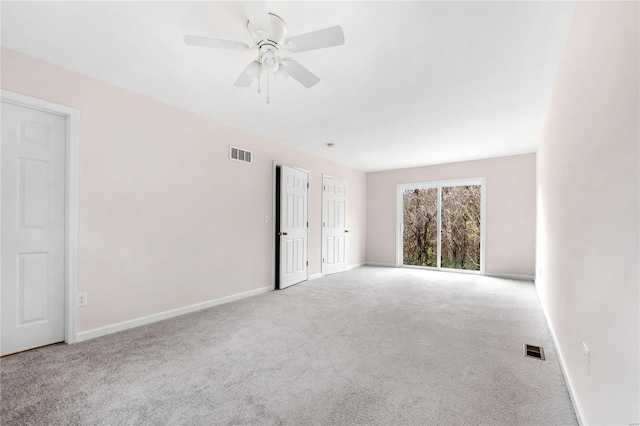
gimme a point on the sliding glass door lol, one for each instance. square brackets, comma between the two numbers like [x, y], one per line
[460, 227]
[420, 215]
[441, 225]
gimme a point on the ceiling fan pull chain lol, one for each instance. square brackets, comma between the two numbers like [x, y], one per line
[268, 101]
[259, 75]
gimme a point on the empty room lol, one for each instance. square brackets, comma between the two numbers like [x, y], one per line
[320, 213]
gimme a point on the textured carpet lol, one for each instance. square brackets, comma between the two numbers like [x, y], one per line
[370, 346]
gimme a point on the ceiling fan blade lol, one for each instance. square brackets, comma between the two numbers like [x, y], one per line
[250, 74]
[300, 73]
[258, 16]
[328, 37]
[214, 42]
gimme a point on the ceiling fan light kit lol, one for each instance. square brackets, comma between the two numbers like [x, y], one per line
[269, 34]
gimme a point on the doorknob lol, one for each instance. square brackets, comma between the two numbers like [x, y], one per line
[346, 230]
[282, 233]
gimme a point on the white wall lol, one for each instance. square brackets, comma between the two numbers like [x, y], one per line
[166, 219]
[510, 209]
[588, 214]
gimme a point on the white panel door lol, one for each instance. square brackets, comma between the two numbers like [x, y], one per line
[293, 226]
[33, 228]
[334, 223]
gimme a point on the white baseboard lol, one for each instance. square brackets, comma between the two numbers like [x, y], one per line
[355, 265]
[384, 265]
[575, 401]
[314, 277]
[512, 276]
[137, 322]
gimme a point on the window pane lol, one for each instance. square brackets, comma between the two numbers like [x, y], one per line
[420, 216]
[461, 227]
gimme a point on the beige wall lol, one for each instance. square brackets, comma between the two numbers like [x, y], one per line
[588, 213]
[510, 209]
[166, 220]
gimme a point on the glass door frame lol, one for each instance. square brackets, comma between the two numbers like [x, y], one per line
[401, 187]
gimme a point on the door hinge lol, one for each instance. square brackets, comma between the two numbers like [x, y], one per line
[323, 260]
[307, 263]
[324, 188]
[307, 184]
[307, 224]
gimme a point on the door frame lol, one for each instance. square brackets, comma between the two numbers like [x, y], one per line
[401, 187]
[322, 219]
[277, 164]
[72, 118]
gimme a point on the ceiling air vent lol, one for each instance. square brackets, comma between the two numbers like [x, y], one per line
[239, 154]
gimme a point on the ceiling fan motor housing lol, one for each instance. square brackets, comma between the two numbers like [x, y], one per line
[269, 58]
[278, 32]
[268, 43]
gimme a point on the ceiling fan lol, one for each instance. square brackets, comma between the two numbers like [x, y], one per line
[269, 34]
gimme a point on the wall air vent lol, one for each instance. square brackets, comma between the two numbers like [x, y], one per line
[238, 154]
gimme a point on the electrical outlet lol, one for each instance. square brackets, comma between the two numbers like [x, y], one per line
[82, 299]
[586, 354]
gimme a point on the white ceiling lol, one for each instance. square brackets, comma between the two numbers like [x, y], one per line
[416, 83]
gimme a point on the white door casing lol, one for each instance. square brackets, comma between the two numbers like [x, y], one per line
[334, 222]
[293, 226]
[33, 228]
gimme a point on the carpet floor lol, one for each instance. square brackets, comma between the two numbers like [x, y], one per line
[370, 346]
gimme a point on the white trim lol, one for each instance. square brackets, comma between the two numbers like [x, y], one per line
[276, 164]
[483, 225]
[512, 276]
[575, 401]
[401, 187]
[137, 322]
[439, 219]
[314, 277]
[381, 265]
[322, 248]
[355, 265]
[72, 116]
[399, 226]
